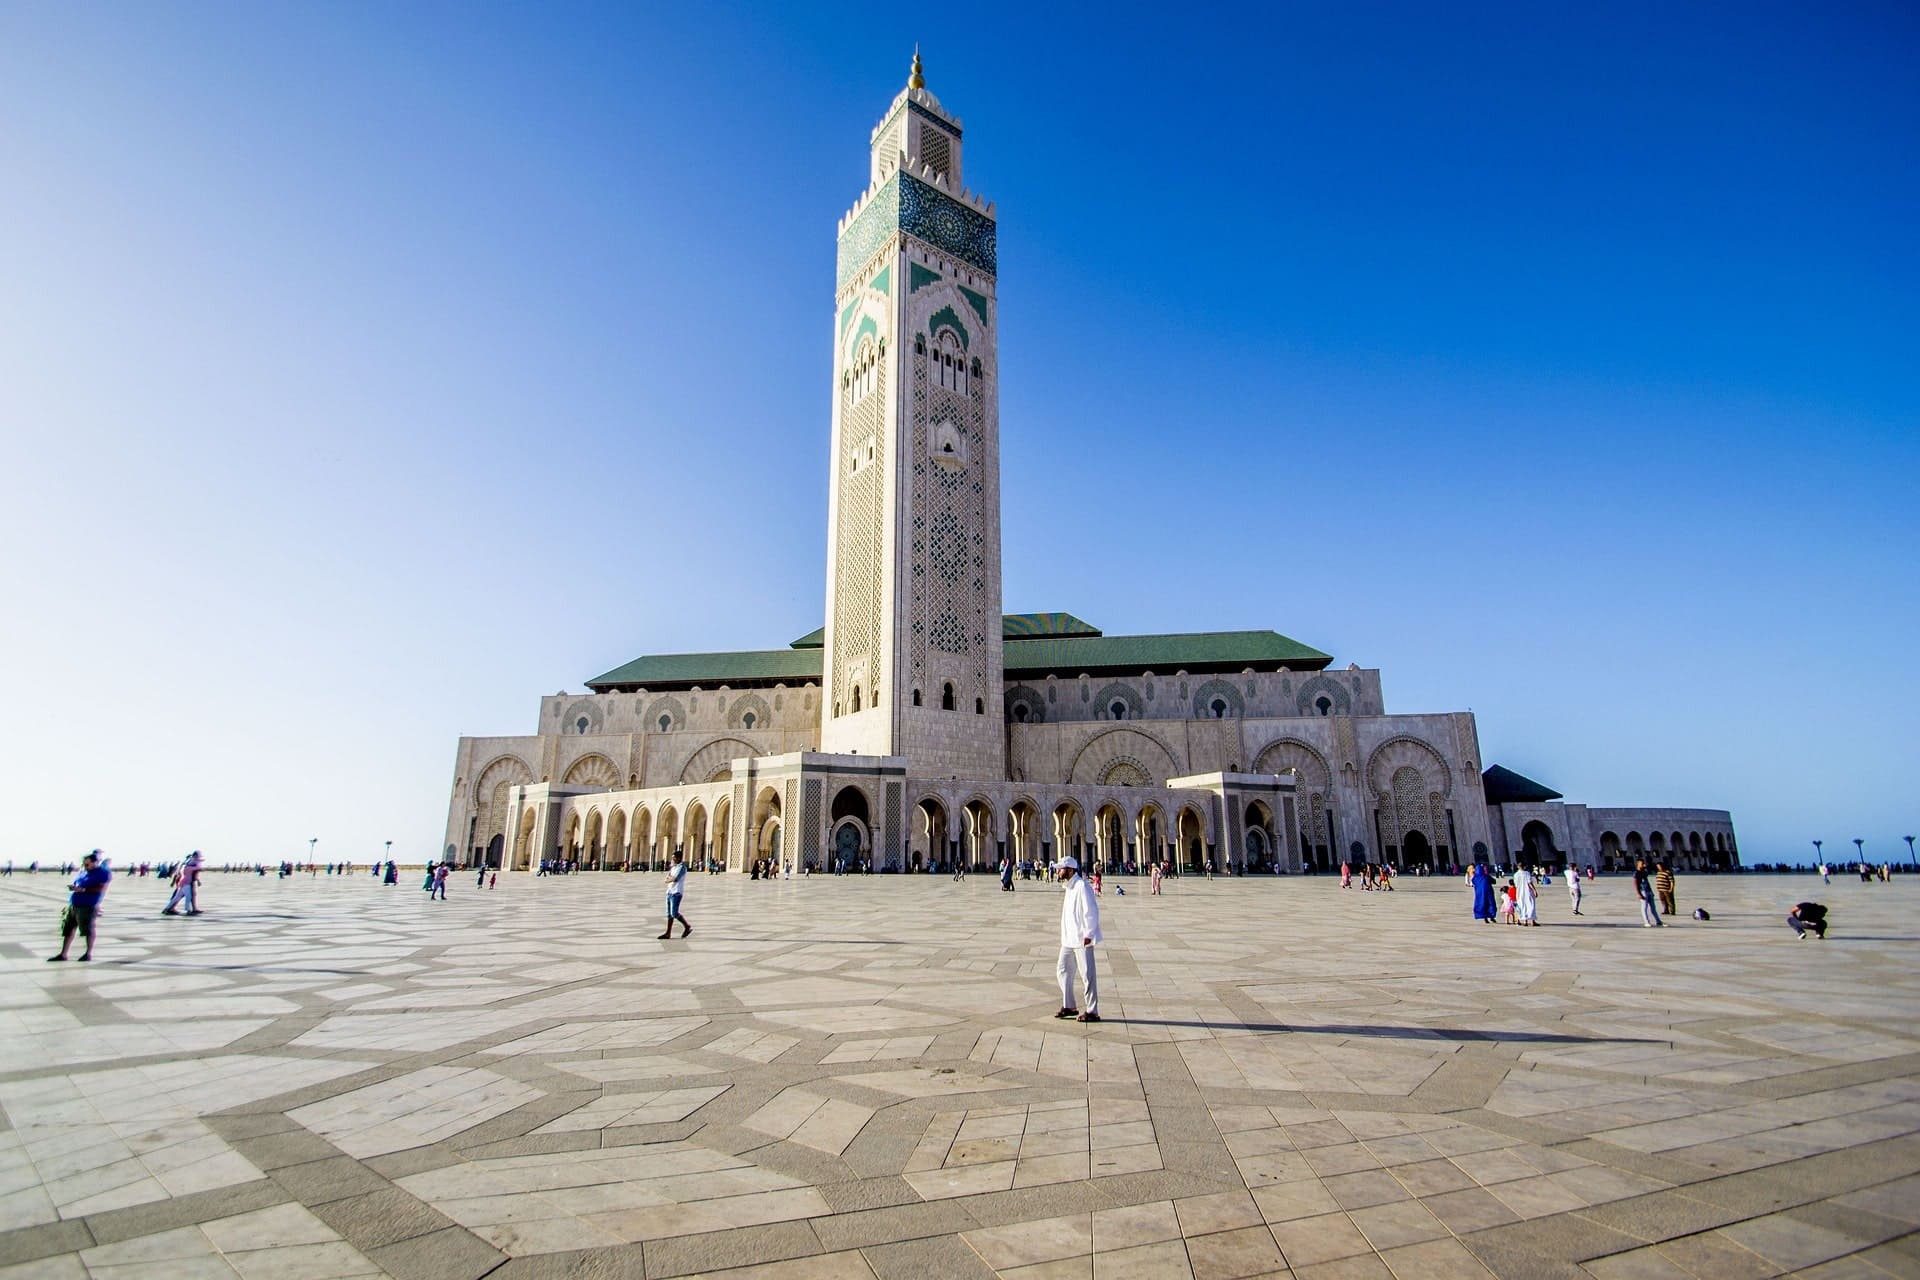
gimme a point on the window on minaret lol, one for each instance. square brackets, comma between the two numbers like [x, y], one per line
[936, 150]
[864, 374]
[949, 362]
[946, 697]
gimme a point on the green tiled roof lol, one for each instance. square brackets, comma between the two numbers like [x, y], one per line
[1051, 644]
[1504, 786]
[1022, 626]
[1194, 651]
[754, 666]
[1013, 626]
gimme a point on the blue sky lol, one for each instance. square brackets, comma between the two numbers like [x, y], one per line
[367, 372]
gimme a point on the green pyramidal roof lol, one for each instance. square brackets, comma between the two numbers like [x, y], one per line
[1035, 646]
[1504, 786]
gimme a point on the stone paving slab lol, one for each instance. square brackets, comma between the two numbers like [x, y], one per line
[861, 1077]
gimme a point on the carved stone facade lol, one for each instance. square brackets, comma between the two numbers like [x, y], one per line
[920, 727]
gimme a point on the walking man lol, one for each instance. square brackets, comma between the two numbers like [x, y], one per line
[1079, 934]
[1643, 889]
[438, 879]
[1663, 888]
[1573, 886]
[676, 889]
[83, 905]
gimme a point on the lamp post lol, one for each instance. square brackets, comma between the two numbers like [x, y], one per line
[1909, 840]
[310, 844]
[389, 851]
[1858, 857]
[1818, 860]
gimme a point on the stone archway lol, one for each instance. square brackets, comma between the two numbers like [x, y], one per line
[1536, 845]
[765, 827]
[491, 799]
[851, 842]
[1261, 838]
[1191, 840]
[523, 853]
[977, 834]
[617, 841]
[932, 828]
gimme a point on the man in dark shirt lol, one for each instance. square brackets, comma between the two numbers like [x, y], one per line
[1808, 916]
[83, 905]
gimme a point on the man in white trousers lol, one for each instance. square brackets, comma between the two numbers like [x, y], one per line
[1079, 933]
[1573, 887]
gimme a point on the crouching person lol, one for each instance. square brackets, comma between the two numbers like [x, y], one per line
[1808, 917]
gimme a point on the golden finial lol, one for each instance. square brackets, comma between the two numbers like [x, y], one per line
[916, 80]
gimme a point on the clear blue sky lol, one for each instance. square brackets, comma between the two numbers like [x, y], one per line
[367, 371]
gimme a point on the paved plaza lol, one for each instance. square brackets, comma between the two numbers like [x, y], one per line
[862, 1077]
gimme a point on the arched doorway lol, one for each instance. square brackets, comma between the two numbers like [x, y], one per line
[930, 833]
[1067, 831]
[697, 850]
[1110, 841]
[1149, 836]
[1023, 831]
[643, 838]
[617, 840]
[765, 828]
[977, 824]
[852, 844]
[1260, 840]
[667, 835]
[523, 843]
[1415, 851]
[723, 833]
[593, 846]
[850, 853]
[1536, 846]
[1192, 841]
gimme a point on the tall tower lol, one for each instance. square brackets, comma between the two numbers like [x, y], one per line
[913, 663]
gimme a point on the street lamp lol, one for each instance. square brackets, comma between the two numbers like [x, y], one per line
[1909, 840]
[310, 844]
[389, 851]
[1818, 860]
[1858, 857]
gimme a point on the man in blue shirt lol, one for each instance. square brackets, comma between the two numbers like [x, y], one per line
[83, 905]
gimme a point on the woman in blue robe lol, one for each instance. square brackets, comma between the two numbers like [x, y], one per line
[1482, 893]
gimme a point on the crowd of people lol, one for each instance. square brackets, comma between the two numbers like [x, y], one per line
[1512, 896]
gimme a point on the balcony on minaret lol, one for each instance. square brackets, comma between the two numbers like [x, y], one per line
[918, 135]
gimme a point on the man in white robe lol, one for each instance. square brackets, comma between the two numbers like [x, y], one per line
[1079, 933]
[1525, 905]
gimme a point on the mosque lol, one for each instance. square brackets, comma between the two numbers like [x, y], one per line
[921, 726]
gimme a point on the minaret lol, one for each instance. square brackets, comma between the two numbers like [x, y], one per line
[913, 662]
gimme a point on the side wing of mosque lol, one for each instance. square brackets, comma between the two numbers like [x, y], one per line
[920, 726]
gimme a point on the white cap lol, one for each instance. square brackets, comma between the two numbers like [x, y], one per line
[1068, 862]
